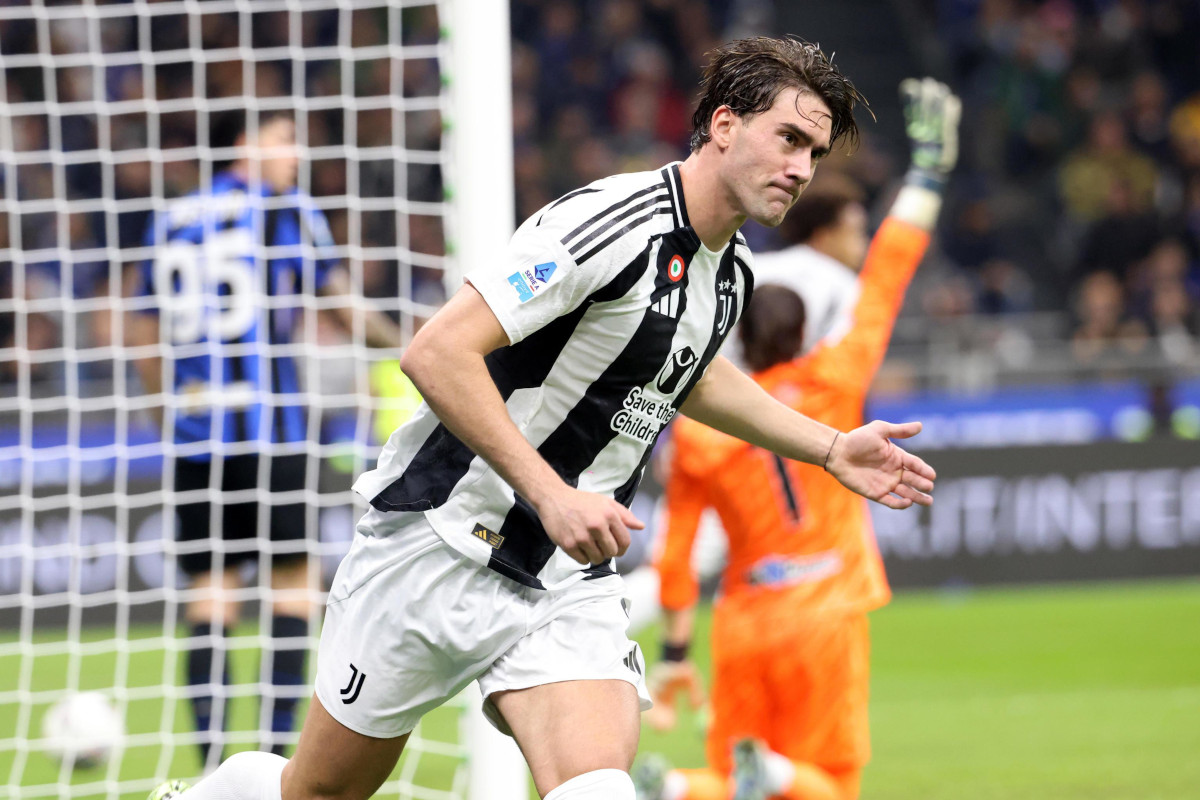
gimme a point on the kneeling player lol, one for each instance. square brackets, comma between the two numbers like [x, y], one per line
[790, 642]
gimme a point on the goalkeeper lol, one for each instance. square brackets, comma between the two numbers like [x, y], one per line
[790, 642]
[228, 311]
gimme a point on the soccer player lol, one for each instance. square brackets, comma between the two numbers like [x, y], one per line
[496, 512]
[230, 264]
[789, 638]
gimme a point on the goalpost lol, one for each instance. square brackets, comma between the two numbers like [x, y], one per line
[402, 117]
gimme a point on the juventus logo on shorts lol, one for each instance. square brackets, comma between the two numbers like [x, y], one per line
[354, 686]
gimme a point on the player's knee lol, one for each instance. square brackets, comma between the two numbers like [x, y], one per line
[600, 784]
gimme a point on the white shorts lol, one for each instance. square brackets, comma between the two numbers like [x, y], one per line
[410, 622]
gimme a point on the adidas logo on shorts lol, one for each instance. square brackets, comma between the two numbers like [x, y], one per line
[489, 536]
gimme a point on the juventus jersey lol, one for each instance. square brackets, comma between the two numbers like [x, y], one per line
[614, 309]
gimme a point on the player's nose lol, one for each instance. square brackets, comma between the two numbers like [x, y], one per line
[800, 166]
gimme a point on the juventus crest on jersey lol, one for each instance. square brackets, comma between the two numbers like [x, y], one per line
[614, 310]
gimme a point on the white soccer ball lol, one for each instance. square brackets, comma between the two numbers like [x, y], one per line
[82, 729]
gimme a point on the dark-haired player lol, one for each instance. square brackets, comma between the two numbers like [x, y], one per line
[495, 513]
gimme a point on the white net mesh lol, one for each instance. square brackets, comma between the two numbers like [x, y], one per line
[107, 117]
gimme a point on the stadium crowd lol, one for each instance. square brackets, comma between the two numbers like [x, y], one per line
[1078, 189]
[1079, 186]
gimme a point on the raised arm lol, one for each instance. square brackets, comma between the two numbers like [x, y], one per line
[932, 114]
[446, 363]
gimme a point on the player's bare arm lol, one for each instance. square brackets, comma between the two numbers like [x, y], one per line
[379, 330]
[864, 460]
[446, 363]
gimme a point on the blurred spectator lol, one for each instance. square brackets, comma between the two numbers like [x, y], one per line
[1004, 288]
[1184, 129]
[1104, 333]
[1092, 172]
[1123, 234]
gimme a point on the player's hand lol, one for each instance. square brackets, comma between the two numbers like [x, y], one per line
[591, 528]
[866, 462]
[667, 681]
[931, 116]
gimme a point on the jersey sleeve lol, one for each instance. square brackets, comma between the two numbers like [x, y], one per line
[679, 588]
[892, 260]
[535, 282]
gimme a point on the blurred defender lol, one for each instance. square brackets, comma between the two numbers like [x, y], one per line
[790, 642]
[496, 512]
[229, 271]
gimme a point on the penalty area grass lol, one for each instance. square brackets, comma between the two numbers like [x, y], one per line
[1068, 692]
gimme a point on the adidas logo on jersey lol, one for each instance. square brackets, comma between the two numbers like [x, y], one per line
[668, 304]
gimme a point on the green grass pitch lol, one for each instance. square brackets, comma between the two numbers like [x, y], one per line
[1088, 692]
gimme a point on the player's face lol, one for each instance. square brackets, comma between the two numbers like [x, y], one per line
[773, 154]
[277, 150]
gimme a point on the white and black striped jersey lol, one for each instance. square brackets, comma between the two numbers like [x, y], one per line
[614, 309]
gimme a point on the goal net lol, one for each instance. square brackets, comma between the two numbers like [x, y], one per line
[108, 120]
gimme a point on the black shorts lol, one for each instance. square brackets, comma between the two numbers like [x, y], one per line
[239, 521]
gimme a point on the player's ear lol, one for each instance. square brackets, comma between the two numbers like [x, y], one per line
[721, 126]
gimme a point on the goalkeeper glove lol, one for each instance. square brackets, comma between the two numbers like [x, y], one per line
[931, 116]
[667, 680]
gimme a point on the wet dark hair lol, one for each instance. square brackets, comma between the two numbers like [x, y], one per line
[820, 206]
[772, 328]
[748, 74]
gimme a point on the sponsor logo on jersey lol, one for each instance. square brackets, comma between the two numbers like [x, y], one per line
[489, 536]
[791, 570]
[350, 693]
[676, 371]
[528, 282]
[668, 304]
[524, 293]
[640, 417]
[675, 268]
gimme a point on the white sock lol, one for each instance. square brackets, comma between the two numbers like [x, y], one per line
[243, 776]
[780, 772]
[600, 784]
